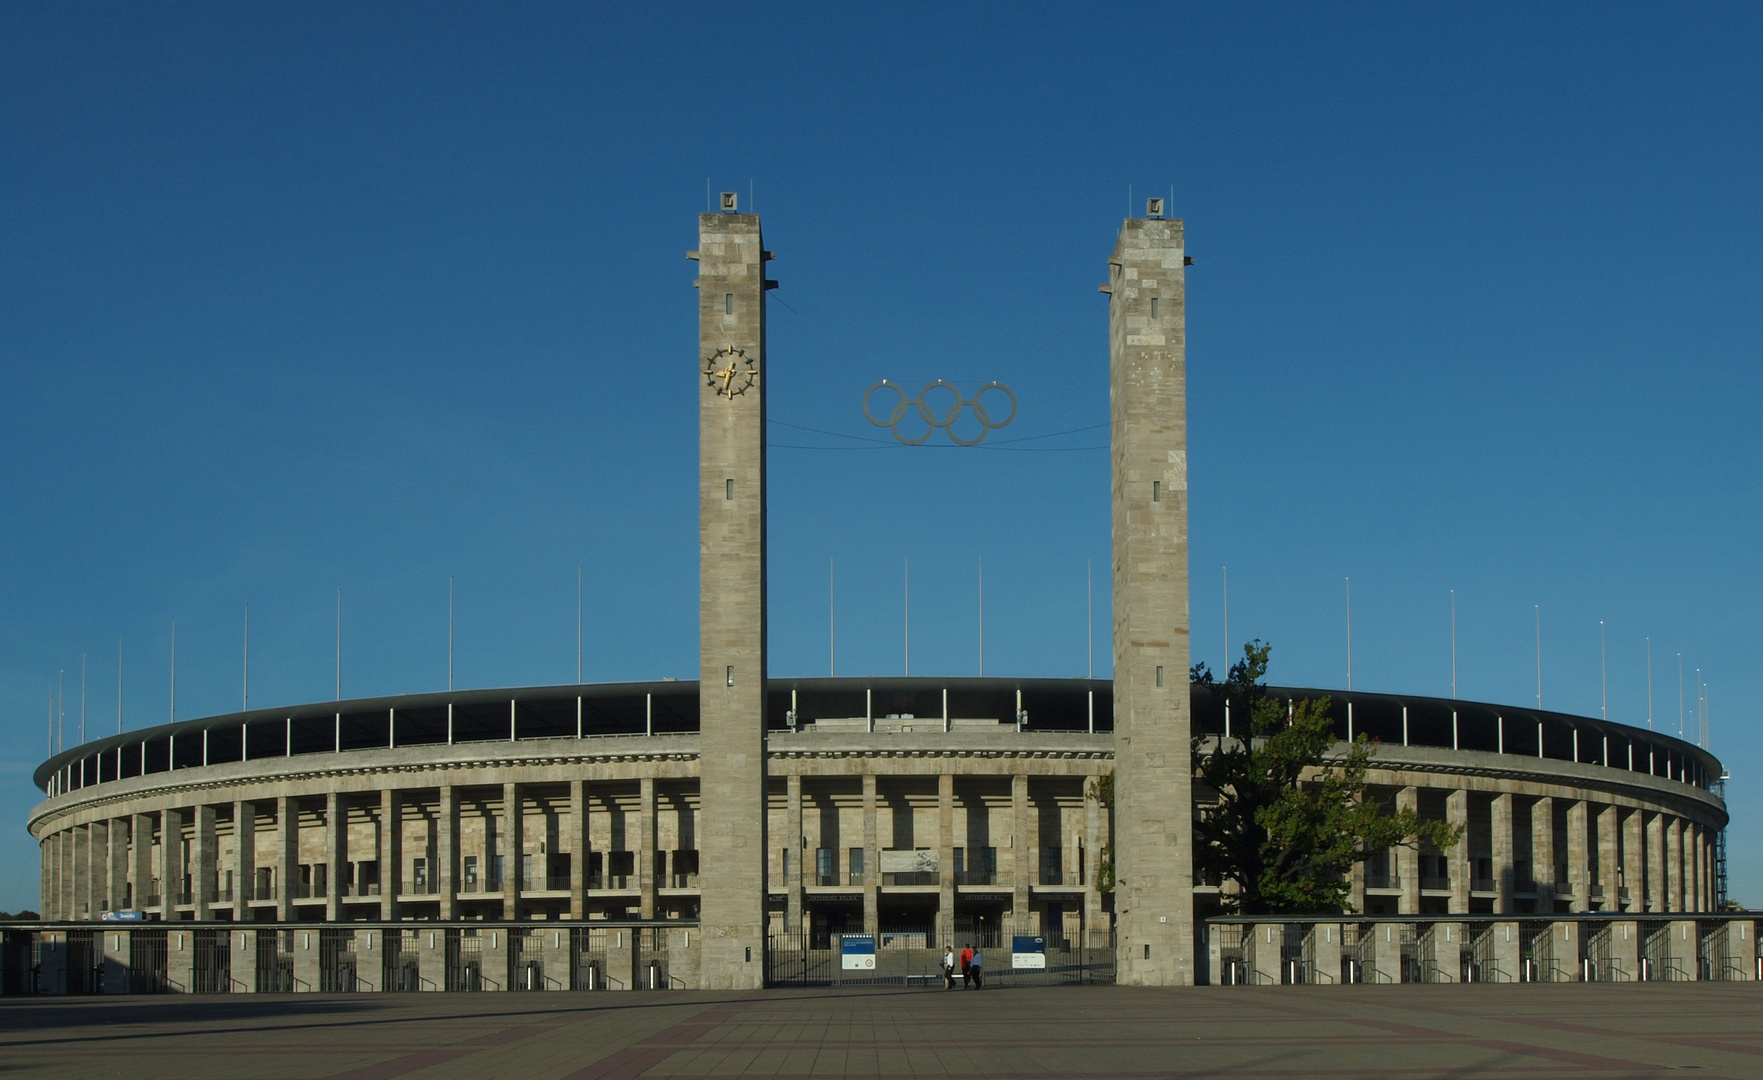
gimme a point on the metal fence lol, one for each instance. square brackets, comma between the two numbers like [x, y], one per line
[211, 962]
[912, 956]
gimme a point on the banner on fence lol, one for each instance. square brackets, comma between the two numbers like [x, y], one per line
[1028, 952]
[919, 861]
[857, 952]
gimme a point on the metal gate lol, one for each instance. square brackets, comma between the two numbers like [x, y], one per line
[465, 960]
[19, 964]
[147, 960]
[1478, 959]
[212, 967]
[336, 960]
[911, 956]
[652, 957]
[587, 967]
[526, 964]
[85, 954]
[275, 961]
[399, 966]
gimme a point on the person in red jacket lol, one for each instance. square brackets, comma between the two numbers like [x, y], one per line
[966, 966]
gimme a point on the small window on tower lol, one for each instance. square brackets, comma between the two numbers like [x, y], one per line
[731, 674]
[1153, 307]
[728, 303]
[1159, 674]
[728, 491]
[1156, 491]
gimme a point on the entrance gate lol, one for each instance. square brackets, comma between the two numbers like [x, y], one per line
[909, 956]
[212, 969]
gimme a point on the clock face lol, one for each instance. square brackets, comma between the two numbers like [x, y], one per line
[730, 372]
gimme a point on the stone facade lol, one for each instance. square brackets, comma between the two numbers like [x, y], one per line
[1153, 850]
[731, 595]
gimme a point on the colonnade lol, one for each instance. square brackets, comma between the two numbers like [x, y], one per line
[1532, 852]
[568, 848]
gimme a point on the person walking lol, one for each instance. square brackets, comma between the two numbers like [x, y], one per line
[977, 967]
[948, 967]
[966, 966]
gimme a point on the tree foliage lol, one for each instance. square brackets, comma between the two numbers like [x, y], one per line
[1292, 816]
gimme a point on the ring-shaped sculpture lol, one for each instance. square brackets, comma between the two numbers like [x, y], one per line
[947, 420]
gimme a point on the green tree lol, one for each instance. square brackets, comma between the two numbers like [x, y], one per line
[1292, 817]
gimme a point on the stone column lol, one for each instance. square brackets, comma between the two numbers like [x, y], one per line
[1692, 868]
[45, 879]
[287, 857]
[370, 959]
[1095, 919]
[1021, 857]
[577, 848]
[117, 873]
[306, 967]
[1655, 862]
[1674, 865]
[446, 855]
[1508, 949]
[1609, 862]
[431, 961]
[1457, 815]
[141, 859]
[116, 944]
[730, 368]
[646, 861]
[171, 861]
[1578, 862]
[1147, 372]
[98, 867]
[1500, 819]
[1542, 851]
[244, 958]
[336, 846]
[1703, 874]
[80, 849]
[391, 853]
[871, 856]
[945, 928]
[514, 843]
[1634, 861]
[206, 870]
[1447, 951]
[1328, 954]
[244, 860]
[1408, 858]
[1625, 950]
[792, 839]
[180, 961]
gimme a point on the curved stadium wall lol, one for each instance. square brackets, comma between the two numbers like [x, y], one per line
[924, 803]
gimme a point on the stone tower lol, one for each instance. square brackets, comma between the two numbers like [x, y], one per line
[1153, 778]
[731, 596]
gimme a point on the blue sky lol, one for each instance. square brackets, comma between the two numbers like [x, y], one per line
[302, 298]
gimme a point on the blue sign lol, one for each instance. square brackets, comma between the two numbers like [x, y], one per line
[857, 952]
[1028, 952]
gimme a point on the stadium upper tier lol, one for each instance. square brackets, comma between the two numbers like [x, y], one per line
[877, 705]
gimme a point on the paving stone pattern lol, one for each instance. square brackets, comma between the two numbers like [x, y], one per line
[1398, 1032]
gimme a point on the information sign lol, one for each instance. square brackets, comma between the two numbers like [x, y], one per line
[1028, 952]
[857, 952]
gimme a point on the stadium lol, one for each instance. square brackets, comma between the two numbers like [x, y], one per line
[744, 830]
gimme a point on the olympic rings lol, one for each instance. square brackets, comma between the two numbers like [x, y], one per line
[947, 419]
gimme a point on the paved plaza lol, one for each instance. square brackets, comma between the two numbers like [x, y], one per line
[1396, 1032]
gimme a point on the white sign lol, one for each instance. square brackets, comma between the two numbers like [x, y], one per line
[921, 861]
[857, 953]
